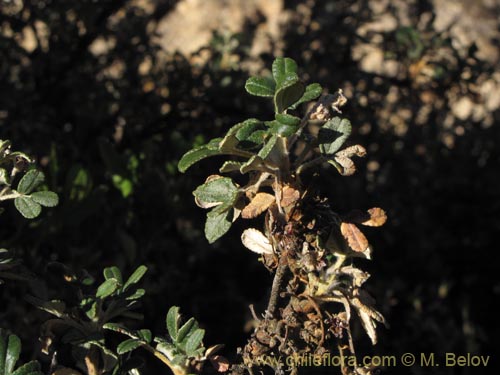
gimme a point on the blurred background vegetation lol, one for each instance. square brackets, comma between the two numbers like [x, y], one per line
[108, 95]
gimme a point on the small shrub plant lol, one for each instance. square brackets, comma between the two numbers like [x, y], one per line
[310, 247]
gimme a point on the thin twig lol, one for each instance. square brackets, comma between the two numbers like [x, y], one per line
[275, 289]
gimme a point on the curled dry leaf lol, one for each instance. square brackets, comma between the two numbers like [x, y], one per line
[355, 238]
[349, 152]
[255, 241]
[347, 167]
[374, 217]
[369, 318]
[377, 217]
[259, 204]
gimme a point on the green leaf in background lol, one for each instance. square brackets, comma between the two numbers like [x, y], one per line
[259, 86]
[195, 155]
[107, 288]
[136, 276]
[220, 190]
[30, 181]
[312, 92]
[78, 183]
[128, 345]
[45, 198]
[333, 134]
[123, 184]
[27, 207]
[217, 225]
[172, 322]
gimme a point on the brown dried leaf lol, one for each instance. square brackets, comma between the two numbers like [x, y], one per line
[355, 238]
[289, 196]
[259, 204]
[377, 217]
[349, 152]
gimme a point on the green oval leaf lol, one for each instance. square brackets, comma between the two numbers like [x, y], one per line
[172, 322]
[30, 181]
[186, 329]
[260, 86]
[107, 288]
[288, 95]
[27, 207]
[136, 276]
[312, 92]
[193, 341]
[268, 147]
[333, 134]
[113, 273]
[145, 335]
[12, 355]
[220, 190]
[283, 69]
[217, 225]
[136, 295]
[284, 125]
[128, 345]
[195, 155]
[45, 198]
